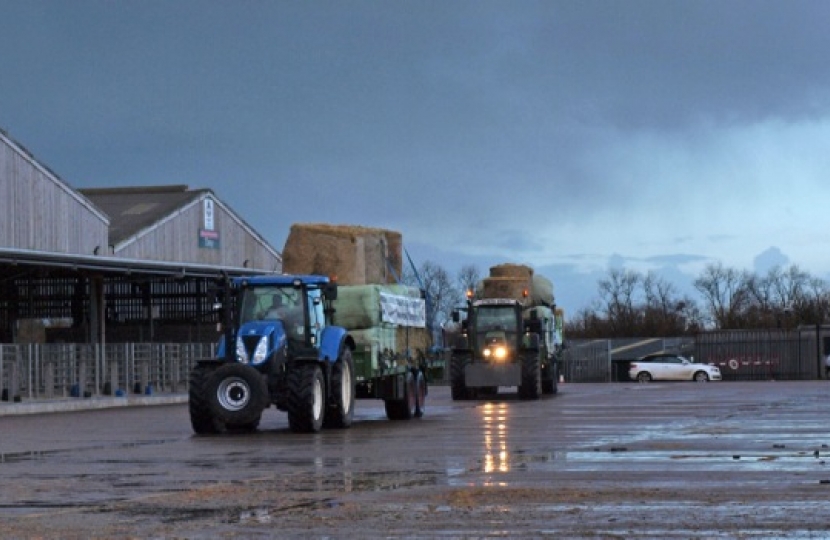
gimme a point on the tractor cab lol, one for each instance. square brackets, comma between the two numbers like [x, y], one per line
[280, 313]
[495, 329]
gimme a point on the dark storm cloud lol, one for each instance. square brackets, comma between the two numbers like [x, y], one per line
[664, 64]
[534, 130]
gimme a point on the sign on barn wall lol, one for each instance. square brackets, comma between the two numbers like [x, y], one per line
[208, 207]
[208, 239]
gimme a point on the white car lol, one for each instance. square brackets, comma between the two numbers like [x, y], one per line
[671, 367]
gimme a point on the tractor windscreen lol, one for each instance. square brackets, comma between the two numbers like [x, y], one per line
[496, 324]
[262, 303]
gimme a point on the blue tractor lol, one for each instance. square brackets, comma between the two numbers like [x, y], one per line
[278, 348]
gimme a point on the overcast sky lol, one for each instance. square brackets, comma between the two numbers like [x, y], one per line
[569, 135]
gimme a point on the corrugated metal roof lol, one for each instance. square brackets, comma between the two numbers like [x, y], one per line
[134, 209]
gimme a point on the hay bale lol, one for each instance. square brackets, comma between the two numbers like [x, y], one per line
[509, 270]
[355, 255]
[505, 287]
[539, 289]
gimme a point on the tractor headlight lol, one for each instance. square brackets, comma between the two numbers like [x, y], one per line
[241, 353]
[261, 351]
[499, 352]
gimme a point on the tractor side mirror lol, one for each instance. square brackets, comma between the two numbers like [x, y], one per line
[330, 291]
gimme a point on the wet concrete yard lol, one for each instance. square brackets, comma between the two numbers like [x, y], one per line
[678, 460]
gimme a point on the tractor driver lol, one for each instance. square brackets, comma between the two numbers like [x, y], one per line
[277, 309]
[281, 310]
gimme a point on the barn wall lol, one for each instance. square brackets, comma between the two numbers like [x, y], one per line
[178, 239]
[39, 212]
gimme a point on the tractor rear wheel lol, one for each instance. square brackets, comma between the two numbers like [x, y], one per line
[550, 382]
[458, 388]
[340, 412]
[531, 385]
[306, 402]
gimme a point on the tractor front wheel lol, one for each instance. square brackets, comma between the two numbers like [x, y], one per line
[237, 395]
[201, 416]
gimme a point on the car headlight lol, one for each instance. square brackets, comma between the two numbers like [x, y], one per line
[241, 353]
[261, 351]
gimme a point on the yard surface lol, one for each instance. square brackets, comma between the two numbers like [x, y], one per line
[620, 460]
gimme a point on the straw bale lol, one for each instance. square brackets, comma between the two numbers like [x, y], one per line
[356, 255]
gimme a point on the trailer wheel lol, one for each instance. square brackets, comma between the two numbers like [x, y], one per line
[201, 417]
[306, 398]
[340, 412]
[420, 394]
[237, 394]
[531, 385]
[403, 409]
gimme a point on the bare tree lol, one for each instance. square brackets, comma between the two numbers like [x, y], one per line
[468, 278]
[662, 313]
[617, 295]
[725, 294]
[441, 295]
[816, 308]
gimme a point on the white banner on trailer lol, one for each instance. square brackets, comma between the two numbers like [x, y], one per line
[403, 310]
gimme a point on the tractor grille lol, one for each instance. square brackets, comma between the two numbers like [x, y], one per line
[250, 343]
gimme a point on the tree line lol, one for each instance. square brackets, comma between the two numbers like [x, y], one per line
[636, 304]
[633, 304]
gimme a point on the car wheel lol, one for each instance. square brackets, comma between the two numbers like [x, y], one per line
[644, 377]
[701, 376]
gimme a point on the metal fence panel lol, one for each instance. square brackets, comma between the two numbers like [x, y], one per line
[744, 355]
[37, 371]
[587, 362]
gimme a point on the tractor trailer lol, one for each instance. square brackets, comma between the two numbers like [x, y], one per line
[282, 347]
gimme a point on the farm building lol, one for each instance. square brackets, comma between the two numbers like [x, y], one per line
[114, 265]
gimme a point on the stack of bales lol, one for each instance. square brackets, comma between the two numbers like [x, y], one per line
[366, 262]
[512, 280]
[356, 255]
